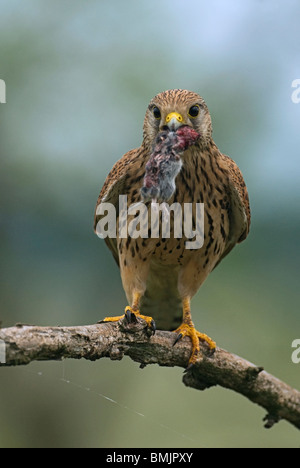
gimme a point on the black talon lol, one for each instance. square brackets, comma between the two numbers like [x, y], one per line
[153, 326]
[130, 316]
[178, 337]
[211, 352]
[189, 367]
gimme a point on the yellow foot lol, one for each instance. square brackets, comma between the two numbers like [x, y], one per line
[189, 330]
[131, 317]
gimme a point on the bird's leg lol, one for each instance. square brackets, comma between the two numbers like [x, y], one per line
[187, 328]
[132, 312]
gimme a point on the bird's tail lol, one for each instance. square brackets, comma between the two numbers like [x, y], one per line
[161, 300]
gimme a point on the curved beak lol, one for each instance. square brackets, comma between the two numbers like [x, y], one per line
[174, 120]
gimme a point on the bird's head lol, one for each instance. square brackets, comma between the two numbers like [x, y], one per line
[174, 108]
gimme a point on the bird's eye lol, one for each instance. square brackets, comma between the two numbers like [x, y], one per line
[156, 112]
[194, 111]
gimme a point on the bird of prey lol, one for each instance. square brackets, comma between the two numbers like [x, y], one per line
[160, 275]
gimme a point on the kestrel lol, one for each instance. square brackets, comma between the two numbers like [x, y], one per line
[160, 275]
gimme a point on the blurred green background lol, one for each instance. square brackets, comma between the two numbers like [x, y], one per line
[79, 76]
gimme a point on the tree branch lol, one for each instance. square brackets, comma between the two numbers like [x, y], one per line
[24, 344]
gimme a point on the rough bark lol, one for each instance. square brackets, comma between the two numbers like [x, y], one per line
[24, 344]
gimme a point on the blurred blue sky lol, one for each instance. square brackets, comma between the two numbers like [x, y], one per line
[79, 77]
[93, 66]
